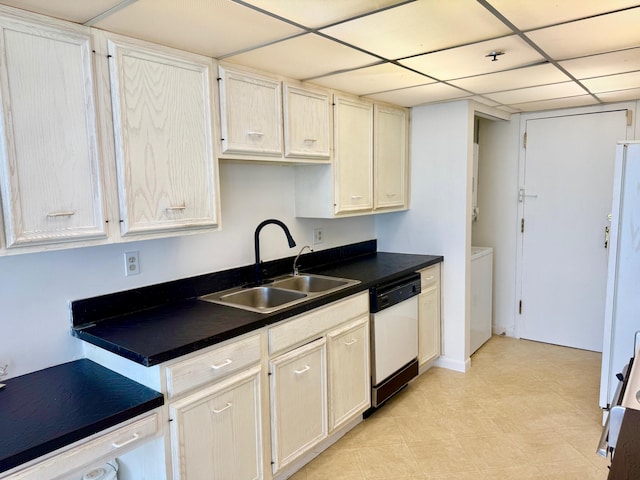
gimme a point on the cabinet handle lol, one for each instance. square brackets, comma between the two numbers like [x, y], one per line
[226, 407]
[177, 207]
[355, 197]
[67, 213]
[351, 342]
[136, 435]
[431, 277]
[391, 194]
[302, 370]
[228, 361]
[256, 134]
[310, 140]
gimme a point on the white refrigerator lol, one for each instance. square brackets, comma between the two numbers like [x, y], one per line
[622, 306]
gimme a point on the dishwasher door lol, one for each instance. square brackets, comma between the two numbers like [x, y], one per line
[394, 333]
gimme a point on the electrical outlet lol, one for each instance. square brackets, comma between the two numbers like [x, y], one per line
[318, 236]
[131, 263]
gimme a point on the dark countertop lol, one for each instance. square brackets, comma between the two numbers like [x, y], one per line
[46, 410]
[165, 332]
[626, 460]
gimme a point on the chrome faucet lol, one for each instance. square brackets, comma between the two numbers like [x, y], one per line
[295, 262]
[256, 240]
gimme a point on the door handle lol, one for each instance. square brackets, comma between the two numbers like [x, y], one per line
[606, 236]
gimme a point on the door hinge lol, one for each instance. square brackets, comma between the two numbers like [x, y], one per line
[524, 140]
[520, 308]
[522, 226]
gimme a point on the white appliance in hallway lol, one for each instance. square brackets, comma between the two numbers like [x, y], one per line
[481, 296]
[622, 305]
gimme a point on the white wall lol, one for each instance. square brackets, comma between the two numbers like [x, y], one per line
[439, 219]
[35, 289]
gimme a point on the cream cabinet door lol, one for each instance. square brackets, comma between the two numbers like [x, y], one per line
[349, 377]
[162, 116]
[251, 113]
[353, 157]
[50, 171]
[306, 123]
[298, 402]
[429, 316]
[216, 433]
[390, 157]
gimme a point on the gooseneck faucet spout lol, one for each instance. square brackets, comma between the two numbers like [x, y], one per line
[256, 241]
[295, 262]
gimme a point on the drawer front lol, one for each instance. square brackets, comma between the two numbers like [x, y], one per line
[313, 324]
[94, 451]
[430, 276]
[210, 366]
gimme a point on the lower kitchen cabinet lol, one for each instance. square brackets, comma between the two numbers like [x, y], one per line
[216, 433]
[429, 316]
[298, 401]
[349, 379]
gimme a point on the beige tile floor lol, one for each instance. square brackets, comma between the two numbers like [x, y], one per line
[524, 410]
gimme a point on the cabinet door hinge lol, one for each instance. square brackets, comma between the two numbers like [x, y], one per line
[524, 140]
[520, 308]
[522, 226]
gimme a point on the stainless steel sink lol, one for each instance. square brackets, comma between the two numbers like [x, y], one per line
[310, 283]
[282, 293]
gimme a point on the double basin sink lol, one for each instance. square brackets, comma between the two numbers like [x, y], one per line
[283, 292]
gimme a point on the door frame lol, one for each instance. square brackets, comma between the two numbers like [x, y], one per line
[630, 106]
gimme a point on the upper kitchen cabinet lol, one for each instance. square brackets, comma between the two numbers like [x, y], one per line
[391, 160]
[250, 113]
[162, 104]
[370, 169]
[50, 168]
[306, 123]
[264, 120]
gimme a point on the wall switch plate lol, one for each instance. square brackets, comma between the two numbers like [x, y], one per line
[318, 236]
[131, 263]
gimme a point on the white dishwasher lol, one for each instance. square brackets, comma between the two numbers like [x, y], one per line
[481, 296]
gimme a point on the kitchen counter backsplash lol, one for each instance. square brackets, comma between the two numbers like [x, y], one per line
[89, 311]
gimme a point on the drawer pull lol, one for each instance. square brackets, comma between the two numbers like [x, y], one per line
[226, 407]
[177, 207]
[391, 194]
[310, 140]
[431, 277]
[228, 361]
[67, 213]
[351, 342]
[302, 370]
[255, 134]
[136, 435]
[356, 197]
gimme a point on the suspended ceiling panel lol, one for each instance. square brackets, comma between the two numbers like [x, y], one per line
[472, 59]
[622, 81]
[601, 34]
[512, 79]
[412, 96]
[528, 14]
[605, 64]
[319, 14]
[72, 10]
[534, 94]
[621, 95]
[209, 27]
[378, 78]
[302, 57]
[566, 102]
[420, 27]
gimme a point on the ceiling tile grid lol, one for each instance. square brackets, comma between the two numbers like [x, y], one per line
[548, 53]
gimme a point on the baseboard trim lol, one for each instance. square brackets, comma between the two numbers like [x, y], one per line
[453, 364]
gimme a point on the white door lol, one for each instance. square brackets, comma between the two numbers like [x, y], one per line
[568, 184]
